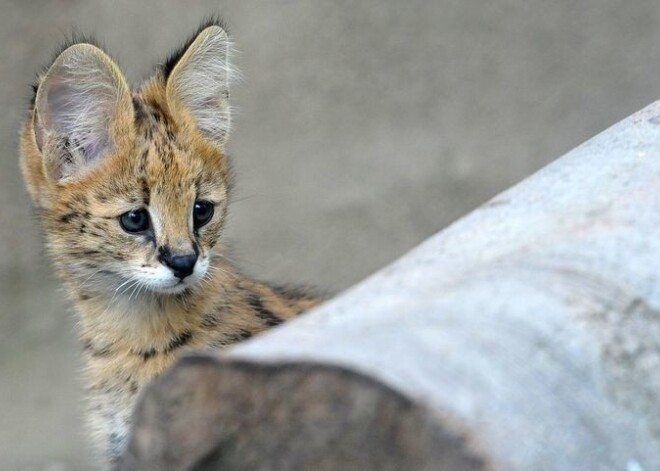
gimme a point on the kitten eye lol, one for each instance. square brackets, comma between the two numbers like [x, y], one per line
[202, 213]
[135, 221]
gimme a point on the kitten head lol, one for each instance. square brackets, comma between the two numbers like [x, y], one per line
[131, 186]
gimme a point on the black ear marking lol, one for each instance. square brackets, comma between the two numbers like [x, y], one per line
[169, 64]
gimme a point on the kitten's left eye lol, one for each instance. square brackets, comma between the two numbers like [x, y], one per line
[202, 213]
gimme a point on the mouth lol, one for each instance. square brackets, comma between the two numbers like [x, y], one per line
[161, 281]
[176, 288]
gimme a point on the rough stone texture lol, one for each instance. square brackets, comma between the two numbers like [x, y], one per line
[363, 127]
[536, 317]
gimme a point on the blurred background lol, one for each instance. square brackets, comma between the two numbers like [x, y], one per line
[364, 126]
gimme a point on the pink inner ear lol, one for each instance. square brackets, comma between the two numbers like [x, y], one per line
[90, 150]
[77, 116]
[93, 149]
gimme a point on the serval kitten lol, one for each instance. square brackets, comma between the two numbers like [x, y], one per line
[132, 188]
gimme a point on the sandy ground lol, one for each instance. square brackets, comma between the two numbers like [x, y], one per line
[364, 126]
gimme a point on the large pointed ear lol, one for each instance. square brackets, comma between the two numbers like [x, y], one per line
[199, 84]
[79, 102]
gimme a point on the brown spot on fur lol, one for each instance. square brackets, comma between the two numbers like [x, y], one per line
[94, 351]
[66, 218]
[270, 319]
[179, 341]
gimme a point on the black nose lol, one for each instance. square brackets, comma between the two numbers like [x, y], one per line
[181, 265]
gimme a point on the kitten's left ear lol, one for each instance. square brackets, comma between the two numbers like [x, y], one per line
[199, 84]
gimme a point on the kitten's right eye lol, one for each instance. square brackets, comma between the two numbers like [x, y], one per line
[135, 221]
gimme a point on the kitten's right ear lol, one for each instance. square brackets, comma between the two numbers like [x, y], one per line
[199, 83]
[78, 106]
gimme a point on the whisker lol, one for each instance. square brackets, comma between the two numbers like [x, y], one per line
[131, 282]
[137, 286]
[83, 285]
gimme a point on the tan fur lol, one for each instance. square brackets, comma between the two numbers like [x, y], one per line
[159, 158]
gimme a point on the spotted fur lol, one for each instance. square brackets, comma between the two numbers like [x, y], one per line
[93, 149]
